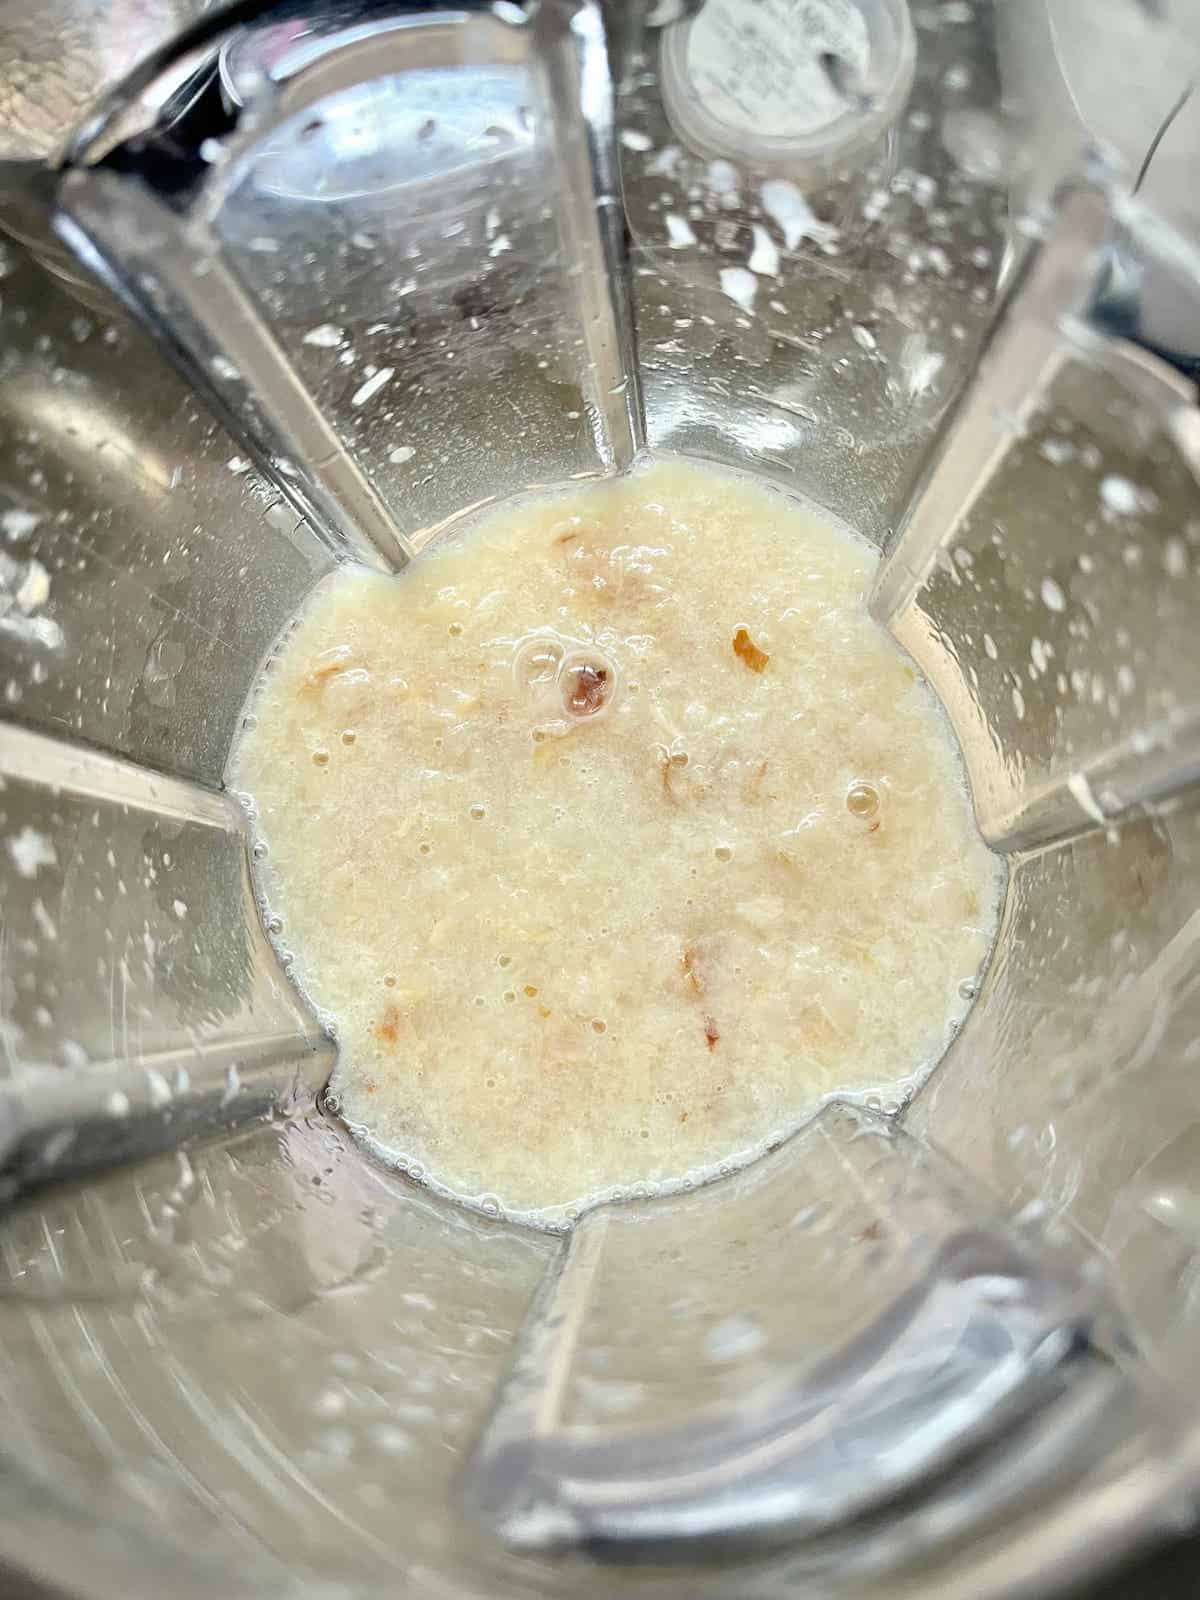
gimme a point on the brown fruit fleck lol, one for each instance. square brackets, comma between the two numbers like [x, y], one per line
[586, 689]
[817, 1031]
[667, 763]
[754, 785]
[711, 1032]
[690, 963]
[388, 1027]
[746, 650]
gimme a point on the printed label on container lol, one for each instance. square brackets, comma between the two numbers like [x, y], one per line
[757, 64]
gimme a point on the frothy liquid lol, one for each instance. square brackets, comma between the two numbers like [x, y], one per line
[615, 836]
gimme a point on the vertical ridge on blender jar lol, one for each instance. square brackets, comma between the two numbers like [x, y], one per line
[1077, 342]
[1024, 352]
[718, 1402]
[131, 895]
[96, 775]
[253, 381]
[592, 223]
[203, 223]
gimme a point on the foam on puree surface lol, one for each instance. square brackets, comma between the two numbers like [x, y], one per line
[614, 835]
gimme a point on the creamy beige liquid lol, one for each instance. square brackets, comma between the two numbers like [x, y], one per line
[614, 837]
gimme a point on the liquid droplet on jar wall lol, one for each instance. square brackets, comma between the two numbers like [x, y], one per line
[739, 285]
[1119, 497]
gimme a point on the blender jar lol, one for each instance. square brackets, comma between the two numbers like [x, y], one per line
[406, 261]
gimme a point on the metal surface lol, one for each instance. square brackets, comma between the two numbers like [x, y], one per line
[259, 1364]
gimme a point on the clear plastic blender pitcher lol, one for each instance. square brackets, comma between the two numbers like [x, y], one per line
[911, 261]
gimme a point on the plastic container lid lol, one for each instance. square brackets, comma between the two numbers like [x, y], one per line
[789, 86]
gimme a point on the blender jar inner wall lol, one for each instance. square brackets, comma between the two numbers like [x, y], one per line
[263, 1338]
